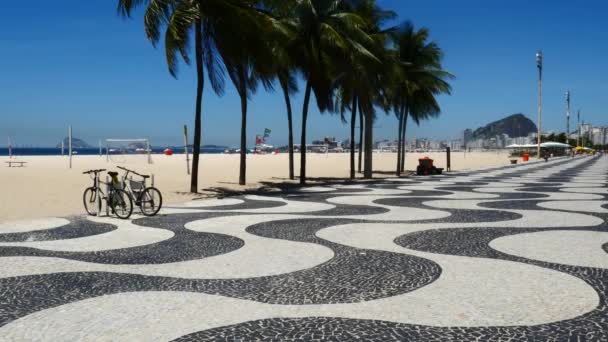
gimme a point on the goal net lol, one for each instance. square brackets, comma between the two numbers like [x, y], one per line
[128, 151]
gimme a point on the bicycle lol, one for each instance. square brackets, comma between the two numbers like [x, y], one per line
[149, 199]
[117, 199]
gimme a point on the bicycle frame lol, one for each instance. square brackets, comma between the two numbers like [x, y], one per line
[127, 184]
[100, 194]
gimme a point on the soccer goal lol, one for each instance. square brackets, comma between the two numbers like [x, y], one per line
[128, 150]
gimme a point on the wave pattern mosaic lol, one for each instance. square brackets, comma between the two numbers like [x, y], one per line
[519, 253]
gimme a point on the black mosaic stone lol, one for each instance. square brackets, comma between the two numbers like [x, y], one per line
[78, 227]
[456, 215]
[183, 246]
[343, 329]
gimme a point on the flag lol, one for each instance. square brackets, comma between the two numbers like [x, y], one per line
[267, 131]
[258, 140]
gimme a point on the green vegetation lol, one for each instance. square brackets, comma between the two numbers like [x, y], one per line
[343, 51]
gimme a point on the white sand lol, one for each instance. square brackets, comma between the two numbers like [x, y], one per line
[47, 187]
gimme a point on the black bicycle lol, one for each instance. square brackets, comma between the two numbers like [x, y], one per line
[148, 198]
[117, 199]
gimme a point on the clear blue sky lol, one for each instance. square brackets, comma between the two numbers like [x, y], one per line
[74, 61]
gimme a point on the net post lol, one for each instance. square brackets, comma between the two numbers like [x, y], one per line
[10, 148]
[148, 151]
[98, 201]
[70, 144]
[107, 152]
[449, 159]
[108, 193]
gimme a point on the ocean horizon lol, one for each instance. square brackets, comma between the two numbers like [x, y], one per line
[56, 151]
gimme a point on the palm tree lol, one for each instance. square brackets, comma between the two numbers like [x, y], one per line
[360, 140]
[179, 17]
[325, 31]
[420, 80]
[245, 54]
[285, 74]
[357, 72]
[224, 31]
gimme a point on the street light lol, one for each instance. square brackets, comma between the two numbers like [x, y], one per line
[539, 64]
[567, 115]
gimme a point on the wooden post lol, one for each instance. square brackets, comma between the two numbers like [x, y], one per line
[98, 193]
[70, 144]
[108, 194]
[449, 159]
[186, 149]
[148, 151]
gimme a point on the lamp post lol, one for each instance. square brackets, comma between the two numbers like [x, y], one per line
[578, 118]
[539, 64]
[567, 115]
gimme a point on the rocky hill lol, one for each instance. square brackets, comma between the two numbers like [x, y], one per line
[76, 143]
[516, 125]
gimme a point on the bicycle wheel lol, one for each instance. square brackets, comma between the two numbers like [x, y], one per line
[150, 201]
[121, 203]
[91, 205]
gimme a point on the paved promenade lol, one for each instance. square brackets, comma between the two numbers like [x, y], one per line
[512, 253]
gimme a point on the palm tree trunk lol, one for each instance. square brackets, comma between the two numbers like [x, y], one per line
[405, 117]
[399, 145]
[243, 94]
[369, 145]
[360, 138]
[353, 118]
[200, 84]
[303, 137]
[290, 124]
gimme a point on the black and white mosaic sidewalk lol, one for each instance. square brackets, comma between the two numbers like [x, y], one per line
[512, 253]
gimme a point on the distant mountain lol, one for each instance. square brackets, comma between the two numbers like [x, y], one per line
[516, 125]
[76, 143]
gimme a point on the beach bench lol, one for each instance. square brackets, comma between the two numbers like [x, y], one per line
[15, 163]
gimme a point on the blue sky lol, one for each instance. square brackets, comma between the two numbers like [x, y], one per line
[76, 62]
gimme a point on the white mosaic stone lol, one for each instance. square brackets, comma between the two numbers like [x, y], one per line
[577, 248]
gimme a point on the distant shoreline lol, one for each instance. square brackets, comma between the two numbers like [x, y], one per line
[88, 151]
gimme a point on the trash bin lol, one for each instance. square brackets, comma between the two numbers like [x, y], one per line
[525, 157]
[425, 166]
[426, 162]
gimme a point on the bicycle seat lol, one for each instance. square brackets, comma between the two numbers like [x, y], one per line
[145, 176]
[112, 173]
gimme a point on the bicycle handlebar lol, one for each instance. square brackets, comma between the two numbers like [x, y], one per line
[125, 169]
[93, 171]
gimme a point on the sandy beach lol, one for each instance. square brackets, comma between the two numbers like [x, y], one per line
[47, 187]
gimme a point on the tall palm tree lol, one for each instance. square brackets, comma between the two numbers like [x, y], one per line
[358, 71]
[224, 31]
[285, 75]
[360, 141]
[242, 43]
[325, 32]
[178, 18]
[375, 80]
[420, 80]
